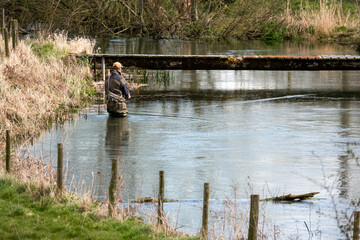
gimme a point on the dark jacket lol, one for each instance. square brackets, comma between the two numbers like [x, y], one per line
[117, 84]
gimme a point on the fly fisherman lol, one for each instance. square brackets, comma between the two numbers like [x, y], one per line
[117, 91]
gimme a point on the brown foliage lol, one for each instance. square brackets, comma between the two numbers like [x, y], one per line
[157, 18]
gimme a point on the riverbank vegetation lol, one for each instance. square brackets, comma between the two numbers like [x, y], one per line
[329, 20]
[30, 211]
[39, 86]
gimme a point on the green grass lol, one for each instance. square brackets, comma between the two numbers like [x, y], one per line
[46, 49]
[39, 216]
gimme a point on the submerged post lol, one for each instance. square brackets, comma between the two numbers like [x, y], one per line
[59, 180]
[161, 197]
[8, 151]
[254, 217]
[205, 216]
[356, 225]
[112, 187]
[6, 39]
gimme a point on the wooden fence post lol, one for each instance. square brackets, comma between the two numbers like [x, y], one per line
[59, 179]
[356, 225]
[10, 27]
[161, 198]
[254, 217]
[11, 32]
[94, 61]
[112, 187]
[205, 216]
[8, 151]
[15, 34]
[6, 40]
[3, 25]
[103, 68]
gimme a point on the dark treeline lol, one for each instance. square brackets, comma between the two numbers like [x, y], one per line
[265, 19]
[156, 18]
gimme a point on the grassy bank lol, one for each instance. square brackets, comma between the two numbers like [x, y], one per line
[327, 20]
[30, 211]
[39, 86]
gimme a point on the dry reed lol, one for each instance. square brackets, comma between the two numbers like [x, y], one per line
[319, 21]
[37, 91]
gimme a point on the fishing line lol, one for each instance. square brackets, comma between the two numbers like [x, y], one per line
[216, 105]
[163, 115]
[256, 101]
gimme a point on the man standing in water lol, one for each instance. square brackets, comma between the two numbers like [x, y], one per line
[117, 91]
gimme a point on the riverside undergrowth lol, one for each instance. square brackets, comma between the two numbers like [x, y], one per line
[276, 20]
[39, 85]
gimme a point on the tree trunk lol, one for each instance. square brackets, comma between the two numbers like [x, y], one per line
[194, 14]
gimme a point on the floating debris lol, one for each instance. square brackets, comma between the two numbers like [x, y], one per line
[152, 200]
[291, 197]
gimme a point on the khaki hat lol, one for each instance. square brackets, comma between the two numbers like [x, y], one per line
[117, 65]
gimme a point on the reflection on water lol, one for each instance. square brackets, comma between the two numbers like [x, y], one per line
[233, 48]
[230, 84]
[271, 132]
[117, 136]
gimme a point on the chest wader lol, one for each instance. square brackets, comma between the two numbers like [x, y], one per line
[116, 105]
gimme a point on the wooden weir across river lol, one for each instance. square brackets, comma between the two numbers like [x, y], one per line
[217, 62]
[245, 62]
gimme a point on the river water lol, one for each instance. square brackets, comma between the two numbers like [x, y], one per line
[264, 132]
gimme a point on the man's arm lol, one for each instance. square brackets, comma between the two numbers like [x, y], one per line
[126, 92]
[125, 89]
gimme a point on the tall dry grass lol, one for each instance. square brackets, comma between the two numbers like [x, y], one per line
[36, 90]
[318, 19]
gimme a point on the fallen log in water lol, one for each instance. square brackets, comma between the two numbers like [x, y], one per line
[291, 197]
[152, 200]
